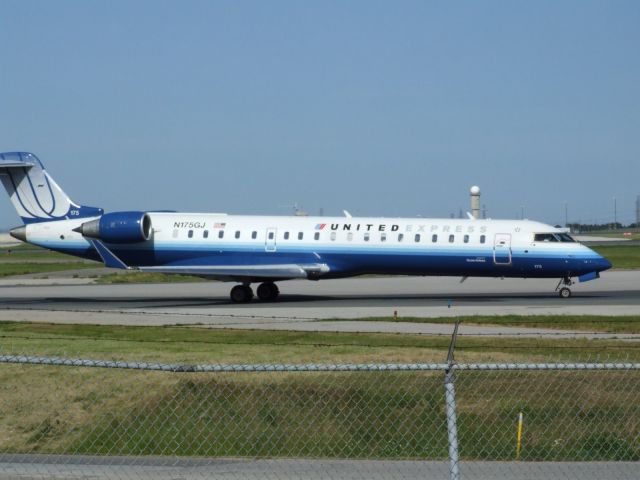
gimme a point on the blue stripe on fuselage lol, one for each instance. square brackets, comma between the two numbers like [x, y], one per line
[348, 260]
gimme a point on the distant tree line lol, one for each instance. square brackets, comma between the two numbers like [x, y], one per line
[592, 227]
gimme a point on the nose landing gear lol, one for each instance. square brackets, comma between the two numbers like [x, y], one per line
[267, 292]
[564, 291]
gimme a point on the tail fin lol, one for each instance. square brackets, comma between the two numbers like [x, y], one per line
[34, 194]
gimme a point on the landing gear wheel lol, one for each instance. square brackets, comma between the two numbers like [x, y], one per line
[241, 294]
[268, 291]
[565, 292]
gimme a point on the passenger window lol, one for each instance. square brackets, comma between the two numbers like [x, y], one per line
[434, 238]
[400, 236]
[316, 236]
[333, 236]
[466, 239]
[190, 234]
[286, 235]
[205, 234]
[300, 235]
[221, 234]
[451, 238]
[175, 233]
[254, 235]
[366, 236]
[237, 233]
[483, 238]
[417, 237]
[350, 236]
[271, 235]
[383, 237]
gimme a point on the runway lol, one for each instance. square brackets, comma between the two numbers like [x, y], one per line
[314, 306]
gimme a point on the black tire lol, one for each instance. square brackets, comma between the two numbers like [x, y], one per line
[241, 294]
[268, 291]
[565, 292]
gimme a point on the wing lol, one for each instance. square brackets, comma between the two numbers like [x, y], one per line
[246, 272]
[240, 273]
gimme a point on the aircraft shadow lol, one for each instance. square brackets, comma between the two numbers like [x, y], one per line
[373, 300]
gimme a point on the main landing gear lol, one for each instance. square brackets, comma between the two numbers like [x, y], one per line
[564, 291]
[267, 292]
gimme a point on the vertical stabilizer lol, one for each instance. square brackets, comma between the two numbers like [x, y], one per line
[34, 194]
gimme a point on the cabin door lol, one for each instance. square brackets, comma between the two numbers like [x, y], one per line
[502, 249]
[270, 240]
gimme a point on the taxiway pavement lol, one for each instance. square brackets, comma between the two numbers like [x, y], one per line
[314, 306]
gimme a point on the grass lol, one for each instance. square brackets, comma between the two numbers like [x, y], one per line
[635, 234]
[22, 246]
[585, 323]
[621, 256]
[269, 416]
[568, 415]
[35, 255]
[9, 269]
[145, 277]
[328, 415]
[27, 259]
[206, 345]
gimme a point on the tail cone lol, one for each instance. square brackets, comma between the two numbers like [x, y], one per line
[19, 233]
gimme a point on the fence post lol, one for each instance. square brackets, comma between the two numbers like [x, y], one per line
[452, 419]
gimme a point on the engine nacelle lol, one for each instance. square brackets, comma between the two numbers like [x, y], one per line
[118, 227]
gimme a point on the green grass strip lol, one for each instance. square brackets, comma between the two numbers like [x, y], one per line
[585, 323]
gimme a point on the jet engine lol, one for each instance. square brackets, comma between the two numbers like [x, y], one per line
[118, 227]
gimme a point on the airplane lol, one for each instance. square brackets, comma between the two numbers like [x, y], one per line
[267, 249]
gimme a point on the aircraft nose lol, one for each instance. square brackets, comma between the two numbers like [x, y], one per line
[603, 264]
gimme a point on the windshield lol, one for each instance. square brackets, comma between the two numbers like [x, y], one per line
[565, 237]
[553, 237]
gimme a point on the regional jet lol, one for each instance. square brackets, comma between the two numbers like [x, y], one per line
[269, 249]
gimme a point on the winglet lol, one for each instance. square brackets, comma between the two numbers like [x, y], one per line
[109, 259]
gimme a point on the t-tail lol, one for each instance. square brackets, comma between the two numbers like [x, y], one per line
[34, 194]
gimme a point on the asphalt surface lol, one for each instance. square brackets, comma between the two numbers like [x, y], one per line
[84, 467]
[314, 306]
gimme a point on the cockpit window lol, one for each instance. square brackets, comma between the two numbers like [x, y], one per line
[565, 237]
[545, 237]
[553, 237]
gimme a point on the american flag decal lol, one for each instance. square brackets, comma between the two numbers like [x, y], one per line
[219, 225]
[320, 226]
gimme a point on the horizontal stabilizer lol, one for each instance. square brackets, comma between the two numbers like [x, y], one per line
[107, 256]
[10, 164]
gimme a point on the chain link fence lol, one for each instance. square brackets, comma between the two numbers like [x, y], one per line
[68, 418]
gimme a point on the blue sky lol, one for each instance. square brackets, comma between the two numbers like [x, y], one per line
[380, 108]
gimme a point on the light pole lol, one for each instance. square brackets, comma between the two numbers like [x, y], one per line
[615, 213]
[566, 216]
